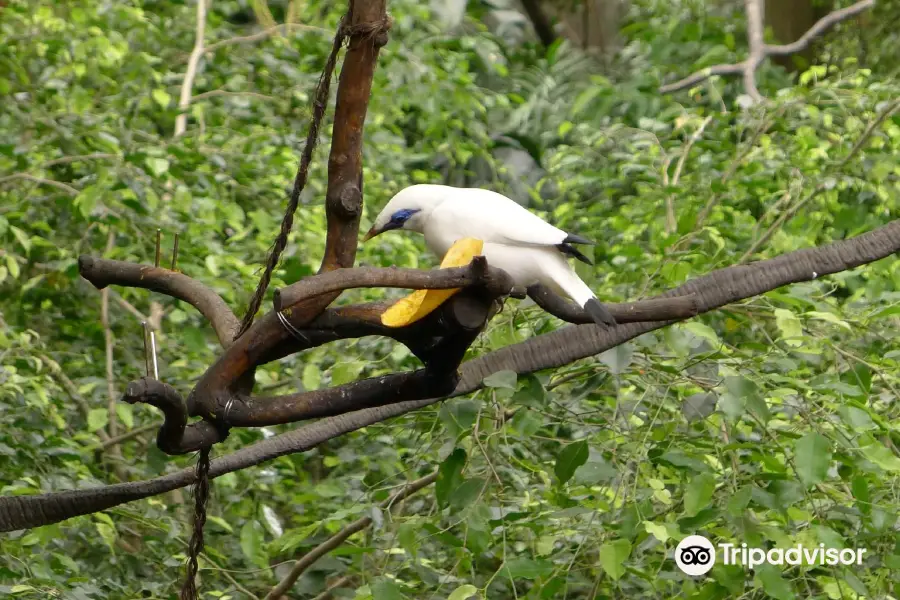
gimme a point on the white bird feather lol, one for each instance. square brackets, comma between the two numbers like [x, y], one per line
[515, 240]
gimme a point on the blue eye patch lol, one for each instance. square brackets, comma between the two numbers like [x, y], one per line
[401, 216]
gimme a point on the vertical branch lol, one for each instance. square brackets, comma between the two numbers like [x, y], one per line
[184, 102]
[108, 338]
[757, 47]
[368, 25]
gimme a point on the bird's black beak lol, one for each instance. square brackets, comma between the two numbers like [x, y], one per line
[370, 234]
[389, 226]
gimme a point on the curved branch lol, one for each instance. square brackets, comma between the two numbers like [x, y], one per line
[190, 74]
[308, 559]
[174, 437]
[819, 27]
[659, 309]
[102, 272]
[546, 351]
[476, 272]
[760, 51]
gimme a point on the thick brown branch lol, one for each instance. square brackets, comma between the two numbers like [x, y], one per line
[101, 273]
[547, 351]
[365, 393]
[660, 309]
[368, 23]
[760, 51]
[174, 436]
[343, 279]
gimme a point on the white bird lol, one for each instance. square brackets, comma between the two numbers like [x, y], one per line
[515, 240]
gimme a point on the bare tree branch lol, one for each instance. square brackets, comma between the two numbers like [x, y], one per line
[41, 181]
[661, 309]
[547, 351]
[191, 73]
[369, 26]
[760, 51]
[478, 271]
[102, 272]
[341, 536]
[261, 35]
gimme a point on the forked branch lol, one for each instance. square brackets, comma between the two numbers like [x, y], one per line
[547, 351]
[760, 51]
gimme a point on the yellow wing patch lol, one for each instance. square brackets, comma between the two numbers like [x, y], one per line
[422, 302]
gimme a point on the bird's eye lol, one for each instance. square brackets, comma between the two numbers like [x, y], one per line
[400, 216]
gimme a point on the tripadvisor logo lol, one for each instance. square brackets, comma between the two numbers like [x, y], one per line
[695, 555]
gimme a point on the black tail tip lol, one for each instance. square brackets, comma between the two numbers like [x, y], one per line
[599, 313]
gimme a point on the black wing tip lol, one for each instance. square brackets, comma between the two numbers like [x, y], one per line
[572, 238]
[574, 253]
[599, 313]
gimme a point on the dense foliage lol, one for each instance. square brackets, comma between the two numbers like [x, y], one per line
[769, 422]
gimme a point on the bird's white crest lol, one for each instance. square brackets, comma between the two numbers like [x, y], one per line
[515, 239]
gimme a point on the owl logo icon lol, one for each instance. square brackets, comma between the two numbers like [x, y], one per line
[695, 555]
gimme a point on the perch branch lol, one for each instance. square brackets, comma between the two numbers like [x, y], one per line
[543, 352]
[343, 279]
[760, 51]
[660, 309]
[102, 272]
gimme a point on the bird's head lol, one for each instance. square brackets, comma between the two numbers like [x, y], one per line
[408, 209]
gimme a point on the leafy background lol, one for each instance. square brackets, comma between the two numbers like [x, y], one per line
[772, 422]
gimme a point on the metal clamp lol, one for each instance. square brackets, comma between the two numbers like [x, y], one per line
[291, 329]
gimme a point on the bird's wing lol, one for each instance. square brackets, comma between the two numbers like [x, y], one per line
[494, 218]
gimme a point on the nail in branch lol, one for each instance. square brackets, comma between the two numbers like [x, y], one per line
[175, 253]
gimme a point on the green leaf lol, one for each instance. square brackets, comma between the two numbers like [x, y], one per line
[221, 523]
[125, 414]
[449, 475]
[704, 332]
[829, 317]
[22, 238]
[618, 358]
[698, 493]
[385, 589]
[773, 583]
[501, 379]
[345, 372]
[812, 457]
[526, 568]
[466, 493]
[658, 531]
[312, 377]
[876, 452]
[252, 543]
[790, 327]
[570, 458]
[157, 166]
[86, 200]
[161, 97]
[97, 418]
[13, 265]
[463, 592]
[613, 556]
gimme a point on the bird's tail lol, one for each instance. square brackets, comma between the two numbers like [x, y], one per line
[567, 281]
